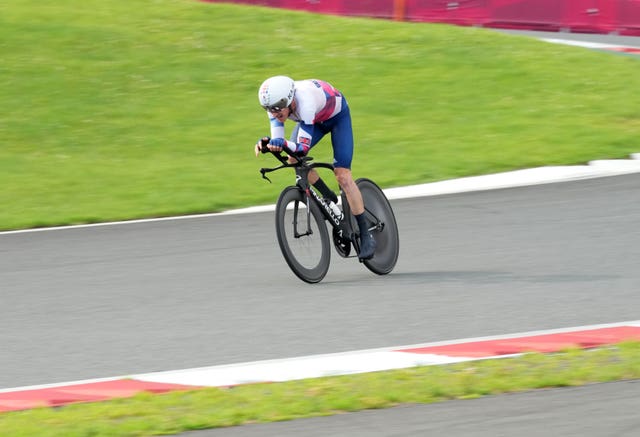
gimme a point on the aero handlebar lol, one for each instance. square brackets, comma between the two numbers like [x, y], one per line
[301, 161]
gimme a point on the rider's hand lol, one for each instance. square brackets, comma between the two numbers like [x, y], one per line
[261, 145]
[276, 144]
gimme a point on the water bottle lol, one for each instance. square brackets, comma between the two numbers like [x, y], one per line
[335, 209]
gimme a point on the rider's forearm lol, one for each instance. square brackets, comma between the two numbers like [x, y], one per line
[300, 148]
[277, 128]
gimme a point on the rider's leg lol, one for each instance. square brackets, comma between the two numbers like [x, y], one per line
[342, 142]
[314, 178]
[350, 189]
[316, 181]
[320, 185]
[354, 197]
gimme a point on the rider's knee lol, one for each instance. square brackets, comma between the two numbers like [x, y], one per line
[343, 175]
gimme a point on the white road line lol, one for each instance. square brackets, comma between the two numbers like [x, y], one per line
[517, 178]
[587, 44]
[314, 366]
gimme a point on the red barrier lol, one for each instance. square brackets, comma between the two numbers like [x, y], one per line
[461, 12]
[627, 17]
[595, 16]
[529, 14]
[368, 8]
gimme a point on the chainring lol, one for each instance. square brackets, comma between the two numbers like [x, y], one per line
[342, 244]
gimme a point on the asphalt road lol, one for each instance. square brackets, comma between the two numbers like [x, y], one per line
[135, 298]
[556, 254]
[623, 40]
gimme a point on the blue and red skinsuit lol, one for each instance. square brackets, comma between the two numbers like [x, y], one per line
[320, 109]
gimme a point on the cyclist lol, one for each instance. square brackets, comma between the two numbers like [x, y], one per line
[318, 109]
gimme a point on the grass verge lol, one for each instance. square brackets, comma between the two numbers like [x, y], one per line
[147, 415]
[123, 109]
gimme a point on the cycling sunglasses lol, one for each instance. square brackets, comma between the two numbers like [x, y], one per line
[279, 106]
[274, 109]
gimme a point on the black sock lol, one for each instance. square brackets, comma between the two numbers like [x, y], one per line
[363, 223]
[326, 192]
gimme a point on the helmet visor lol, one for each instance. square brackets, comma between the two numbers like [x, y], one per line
[277, 106]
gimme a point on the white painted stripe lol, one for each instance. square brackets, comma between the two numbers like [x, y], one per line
[298, 368]
[618, 165]
[313, 366]
[130, 222]
[345, 363]
[589, 44]
[338, 363]
[517, 178]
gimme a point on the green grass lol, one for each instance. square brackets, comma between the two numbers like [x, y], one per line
[128, 109]
[146, 414]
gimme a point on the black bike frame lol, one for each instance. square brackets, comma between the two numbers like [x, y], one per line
[302, 170]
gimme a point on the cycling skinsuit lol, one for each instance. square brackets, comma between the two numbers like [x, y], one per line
[320, 109]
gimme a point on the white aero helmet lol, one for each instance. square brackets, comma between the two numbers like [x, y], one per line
[276, 93]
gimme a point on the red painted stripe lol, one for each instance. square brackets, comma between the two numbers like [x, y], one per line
[26, 398]
[537, 343]
[90, 392]
[632, 50]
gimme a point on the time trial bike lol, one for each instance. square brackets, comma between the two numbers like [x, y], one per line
[301, 214]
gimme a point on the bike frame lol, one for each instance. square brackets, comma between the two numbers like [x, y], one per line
[345, 233]
[302, 167]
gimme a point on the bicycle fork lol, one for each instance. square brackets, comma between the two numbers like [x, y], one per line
[309, 231]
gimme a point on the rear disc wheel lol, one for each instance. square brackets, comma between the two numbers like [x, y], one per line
[383, 227]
